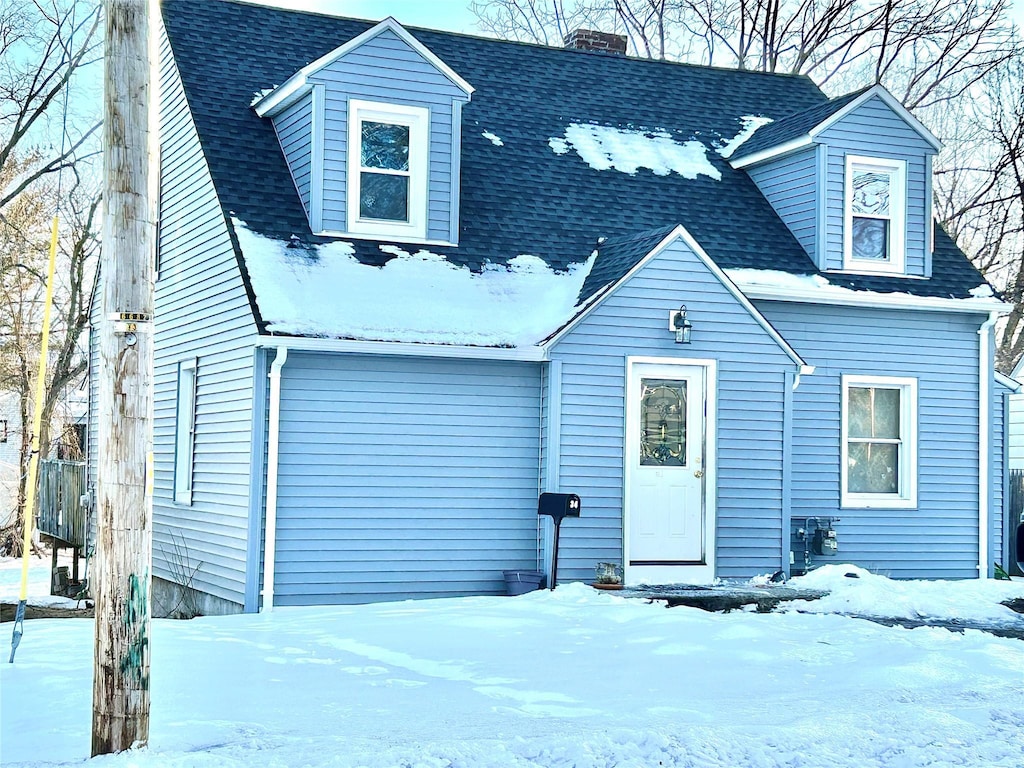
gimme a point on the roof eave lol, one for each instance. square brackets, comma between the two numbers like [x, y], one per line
[878, 300]
[811, 136]
[533, 354]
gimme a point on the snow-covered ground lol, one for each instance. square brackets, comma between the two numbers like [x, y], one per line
[573, 677]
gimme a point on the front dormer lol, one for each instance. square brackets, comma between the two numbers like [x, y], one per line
[372, 133]
[851, 178]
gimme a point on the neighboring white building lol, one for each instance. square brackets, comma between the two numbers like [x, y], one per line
[10, 440]
[1015, 424]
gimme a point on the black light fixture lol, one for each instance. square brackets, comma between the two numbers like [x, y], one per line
[681, 325]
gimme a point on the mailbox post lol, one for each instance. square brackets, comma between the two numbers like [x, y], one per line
[557, 506]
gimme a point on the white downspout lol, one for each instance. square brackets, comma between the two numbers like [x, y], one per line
[273, 445]
[984, 439]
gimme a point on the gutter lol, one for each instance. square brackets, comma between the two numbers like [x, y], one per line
[984, 438]
[273, 450]
[534, 354]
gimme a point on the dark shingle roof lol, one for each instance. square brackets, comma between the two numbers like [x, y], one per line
[520, 198]
[616, 256]
[794, 126]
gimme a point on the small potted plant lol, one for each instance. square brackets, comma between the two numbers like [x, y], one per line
[609, 576]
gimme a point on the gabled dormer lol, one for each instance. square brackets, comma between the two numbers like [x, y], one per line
[852, 179]
[371, 133]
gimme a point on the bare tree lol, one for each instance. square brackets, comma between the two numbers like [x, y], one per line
[43, 44]
[24, 244]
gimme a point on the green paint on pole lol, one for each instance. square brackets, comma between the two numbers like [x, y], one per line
[136, 610]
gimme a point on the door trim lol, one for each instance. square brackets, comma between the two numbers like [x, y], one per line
[662, 574]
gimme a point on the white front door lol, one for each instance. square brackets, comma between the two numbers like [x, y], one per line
[668, 530]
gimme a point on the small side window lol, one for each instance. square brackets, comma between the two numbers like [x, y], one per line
[185, 431]
[387, 169]
[875, 215]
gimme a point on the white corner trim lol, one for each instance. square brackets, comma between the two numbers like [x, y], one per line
[316, 160]
[984, 439]
[534, 354]
[278, 98]
[680, 233]
[745, 161]
[273, 453]
[909, 417]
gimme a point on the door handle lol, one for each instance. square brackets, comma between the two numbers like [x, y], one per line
[698, 473]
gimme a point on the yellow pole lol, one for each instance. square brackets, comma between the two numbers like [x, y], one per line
[33, 461]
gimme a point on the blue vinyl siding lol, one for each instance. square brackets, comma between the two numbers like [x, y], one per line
[201, 311]
[294, 128]
[874, 130]
[404, 477]
[751, 375]
[790, 184]
[939, 539]
[386, 69]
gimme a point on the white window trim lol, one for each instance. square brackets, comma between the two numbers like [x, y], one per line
[418, 120]
[185, 440]
[897, 216]
[906, 498]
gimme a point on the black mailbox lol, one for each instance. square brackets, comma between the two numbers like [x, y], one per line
[559, 505]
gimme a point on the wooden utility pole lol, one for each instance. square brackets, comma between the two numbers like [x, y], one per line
[121, 577]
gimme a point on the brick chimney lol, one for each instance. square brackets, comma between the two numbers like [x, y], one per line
[591, 40]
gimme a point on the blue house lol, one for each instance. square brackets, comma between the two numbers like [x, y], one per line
[409, 279]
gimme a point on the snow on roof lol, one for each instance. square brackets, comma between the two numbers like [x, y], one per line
[495, 140]
[628, 150]
[750, 124]
[418, 296]
[818, 287]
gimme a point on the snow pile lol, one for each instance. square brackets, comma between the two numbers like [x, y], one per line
[258, 96]
[416, 297]
[495, 140]
[750, 124]
[628, 150]
[983, 291]
[856, 591]
[565, 678]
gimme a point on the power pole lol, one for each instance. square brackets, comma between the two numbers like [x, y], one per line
[121, 576]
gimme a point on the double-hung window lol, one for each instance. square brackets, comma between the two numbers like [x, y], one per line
[185, 431]
[875, 215]
[387, 169]
[879, 434]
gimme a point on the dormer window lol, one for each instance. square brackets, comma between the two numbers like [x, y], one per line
[387, 169]
[875, 215]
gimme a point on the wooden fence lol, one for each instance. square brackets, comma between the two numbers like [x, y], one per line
[1015, 510]
[62, 514]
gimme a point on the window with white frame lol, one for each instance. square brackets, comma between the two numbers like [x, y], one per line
[185, 431]
[387, 169]
[879, 448]
[875, 220]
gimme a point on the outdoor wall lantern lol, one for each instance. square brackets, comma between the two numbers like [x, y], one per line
[679, 323]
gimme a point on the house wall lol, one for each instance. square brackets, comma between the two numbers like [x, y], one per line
[294, 128]
[938, 539]
[404, 477]
[751, 376]
[873, 129]
[790, 184]
[1000, 396]
[202, 310]
[386, 69]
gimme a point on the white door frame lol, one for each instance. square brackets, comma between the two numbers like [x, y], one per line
[691, 574]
